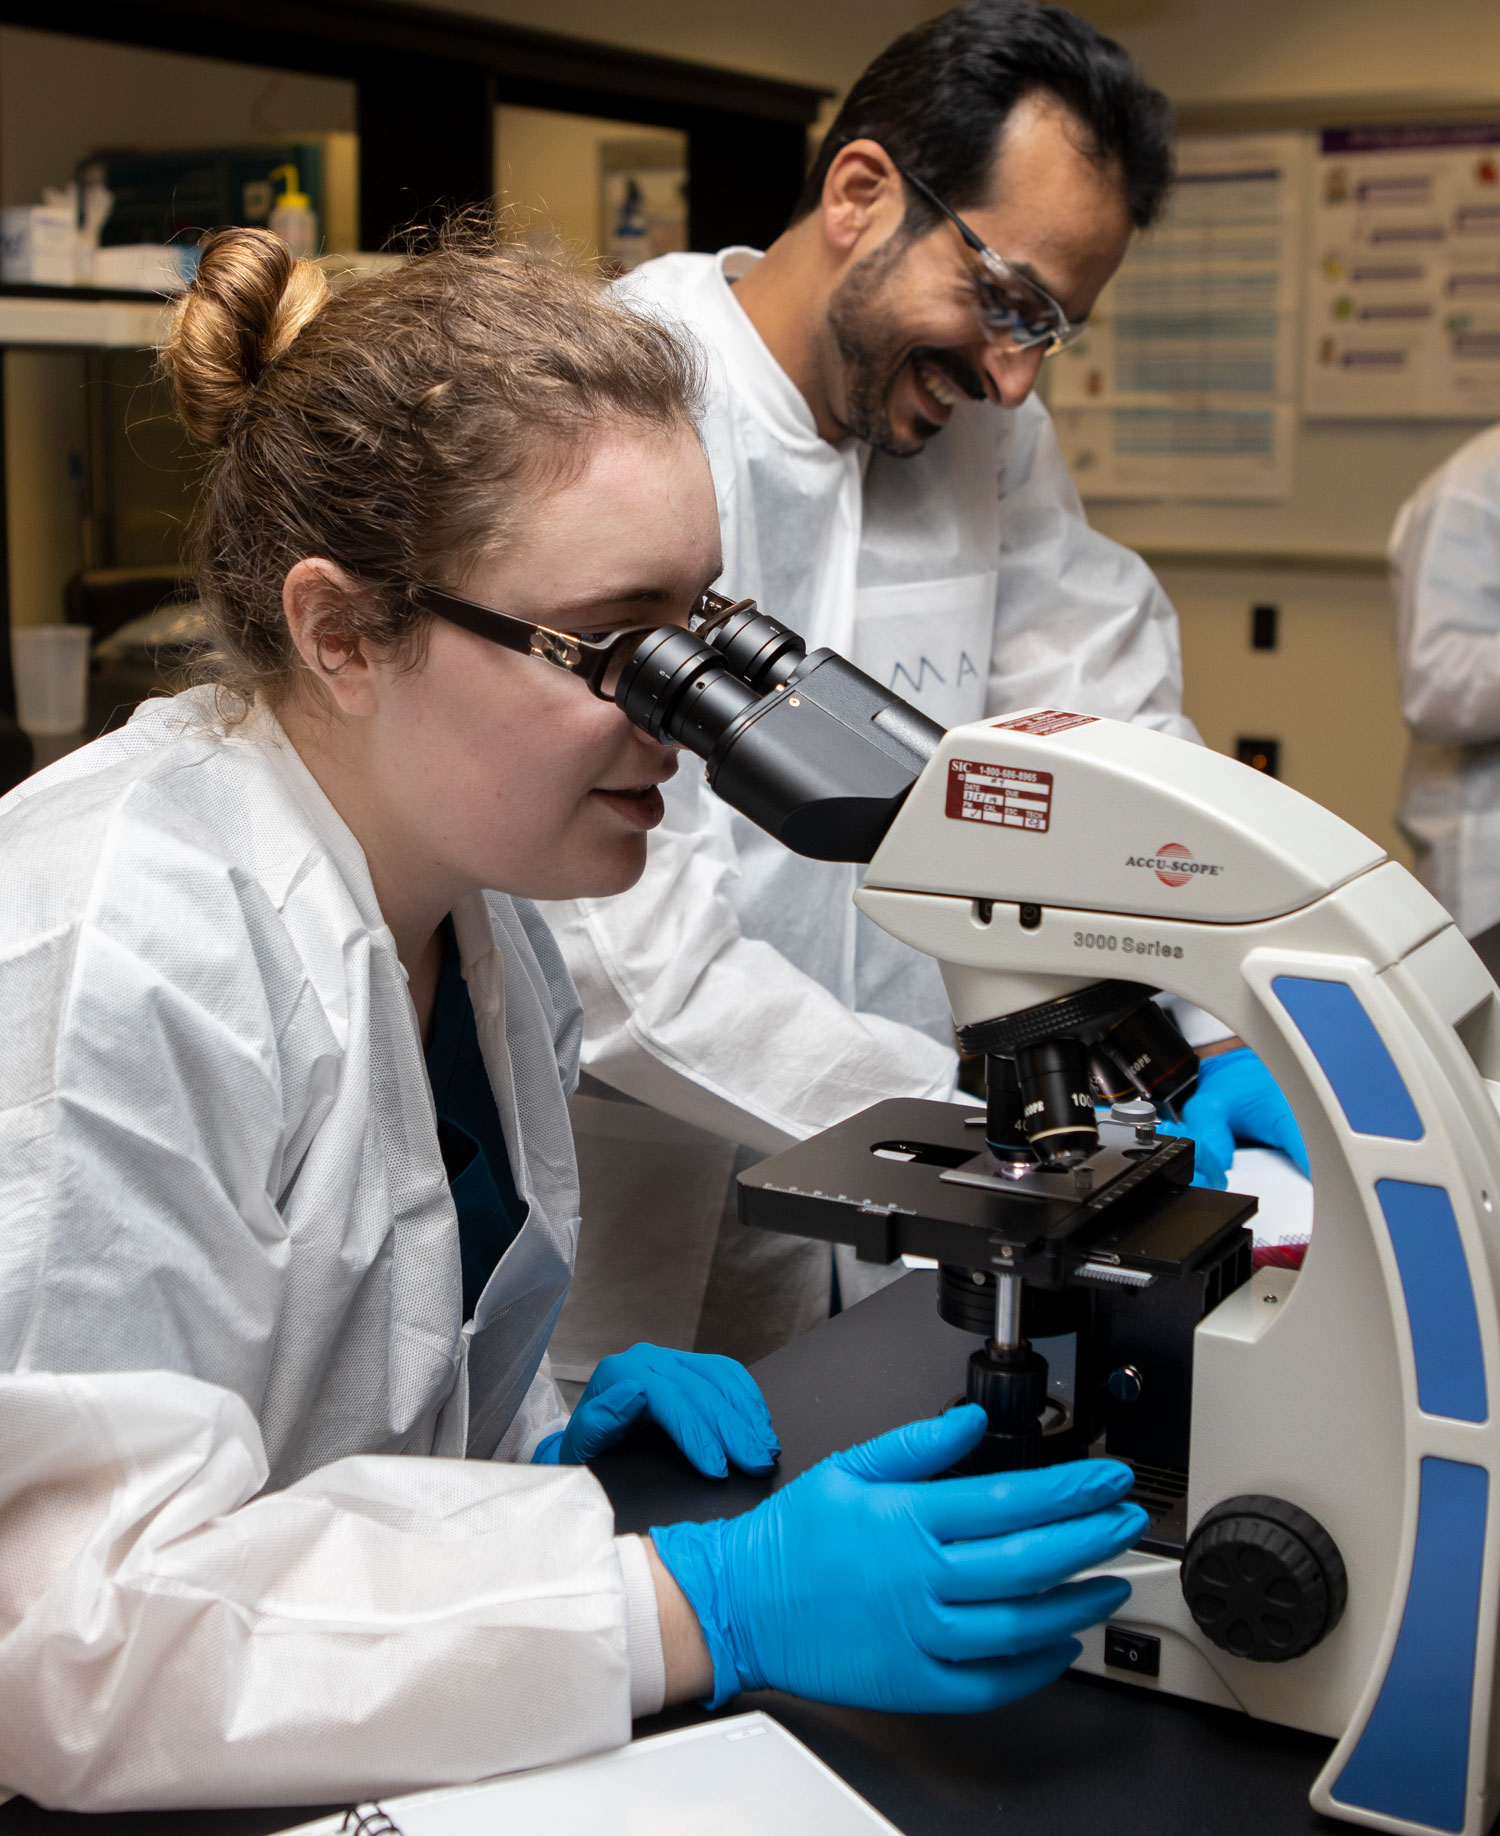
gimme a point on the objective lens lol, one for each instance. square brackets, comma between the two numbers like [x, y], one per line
[1110, 1081]
[681, 691]
[1003, 1133]
[1148, 1048]
[1057, 1101]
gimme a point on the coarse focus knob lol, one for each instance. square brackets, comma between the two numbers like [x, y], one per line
[1263, 1579]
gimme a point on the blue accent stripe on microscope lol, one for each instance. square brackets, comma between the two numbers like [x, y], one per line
[1439, 1299]
[1412, 1759]
[1343, 1039]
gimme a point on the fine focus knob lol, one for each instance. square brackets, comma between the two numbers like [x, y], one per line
[1263, 1579]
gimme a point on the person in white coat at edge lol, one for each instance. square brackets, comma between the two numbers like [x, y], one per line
[1445, 568]
[266, 1277]
[888, 486]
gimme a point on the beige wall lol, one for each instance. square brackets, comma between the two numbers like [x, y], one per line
[1327, 692]
[547, 168]
[1229, 51]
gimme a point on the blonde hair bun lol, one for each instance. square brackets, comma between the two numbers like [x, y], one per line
[251, 298]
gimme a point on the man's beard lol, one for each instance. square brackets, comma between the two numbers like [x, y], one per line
[874, 348]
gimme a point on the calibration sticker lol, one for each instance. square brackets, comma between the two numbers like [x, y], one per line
[1045, 722]
[1009, 795]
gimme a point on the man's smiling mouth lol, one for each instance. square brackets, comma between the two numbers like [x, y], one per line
[937, 385]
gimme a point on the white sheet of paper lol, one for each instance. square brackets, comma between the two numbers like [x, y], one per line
[744, 1776]
[1286, 1195]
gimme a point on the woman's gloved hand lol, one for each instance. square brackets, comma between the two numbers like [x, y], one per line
[711, 1407]
[1238, 1101]
[862, 1584]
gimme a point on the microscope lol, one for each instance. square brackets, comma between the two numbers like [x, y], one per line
[1317, 1449]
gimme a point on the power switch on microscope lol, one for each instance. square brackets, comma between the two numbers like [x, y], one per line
[1137, 1651]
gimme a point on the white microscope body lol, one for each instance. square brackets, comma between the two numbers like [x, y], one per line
[1357, 1389]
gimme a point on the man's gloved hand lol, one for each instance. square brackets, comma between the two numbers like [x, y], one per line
[711, 1407]
[861, 1584]
[1208, 1169]
[1238, 1101]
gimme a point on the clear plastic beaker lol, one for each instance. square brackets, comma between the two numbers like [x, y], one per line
[52, 666]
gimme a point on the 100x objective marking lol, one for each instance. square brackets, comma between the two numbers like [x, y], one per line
[1126, 946]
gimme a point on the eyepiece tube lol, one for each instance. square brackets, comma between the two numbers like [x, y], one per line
[806, 747]
[681, 691]
[758, 649]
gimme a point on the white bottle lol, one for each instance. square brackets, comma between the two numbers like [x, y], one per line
[293, 218]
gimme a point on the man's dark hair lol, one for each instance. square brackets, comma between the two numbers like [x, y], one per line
[938, 98]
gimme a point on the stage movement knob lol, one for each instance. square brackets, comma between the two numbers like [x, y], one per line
[1263, 1579]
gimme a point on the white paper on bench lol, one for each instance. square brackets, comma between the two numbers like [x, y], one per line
[744, 1776]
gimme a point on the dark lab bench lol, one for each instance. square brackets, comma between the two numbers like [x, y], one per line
[1084, 1756]
[1081, 1758]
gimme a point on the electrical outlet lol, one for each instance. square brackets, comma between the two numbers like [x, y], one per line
[1264, 627]
[1260, 754]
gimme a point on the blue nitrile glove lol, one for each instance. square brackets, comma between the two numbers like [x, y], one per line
[1237, 1100]
[710, 1406]
[859, 1583]
[1208, 1169]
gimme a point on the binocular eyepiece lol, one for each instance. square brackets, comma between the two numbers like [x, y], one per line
[806, 746]
[688, 688]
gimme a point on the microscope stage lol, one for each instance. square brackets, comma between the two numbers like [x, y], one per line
[903, 1178]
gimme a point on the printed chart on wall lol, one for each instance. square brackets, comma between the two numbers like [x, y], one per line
[1404, 308]
[1185, 387]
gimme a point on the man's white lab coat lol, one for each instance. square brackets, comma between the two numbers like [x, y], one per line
[1445, 561]
[232, 1567]
[736, 988]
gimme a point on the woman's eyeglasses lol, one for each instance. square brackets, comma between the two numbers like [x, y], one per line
[595, 656]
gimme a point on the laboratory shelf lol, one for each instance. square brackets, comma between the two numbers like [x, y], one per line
[48, 318]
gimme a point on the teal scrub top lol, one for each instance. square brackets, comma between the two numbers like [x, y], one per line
[490, 1209]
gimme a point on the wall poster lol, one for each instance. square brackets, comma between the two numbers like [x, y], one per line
[1186, 384]
[1403, 311]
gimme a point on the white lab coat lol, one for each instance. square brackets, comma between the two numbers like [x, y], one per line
[230, 1296]
[1445, 561]
[736, 987]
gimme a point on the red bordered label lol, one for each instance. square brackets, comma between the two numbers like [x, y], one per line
[1045, 722]
[1007, 796]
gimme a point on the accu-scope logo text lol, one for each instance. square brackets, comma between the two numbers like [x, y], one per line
[1173, 864]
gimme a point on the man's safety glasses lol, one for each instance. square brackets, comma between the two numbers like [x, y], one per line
[597, 657]
[1011, 304]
